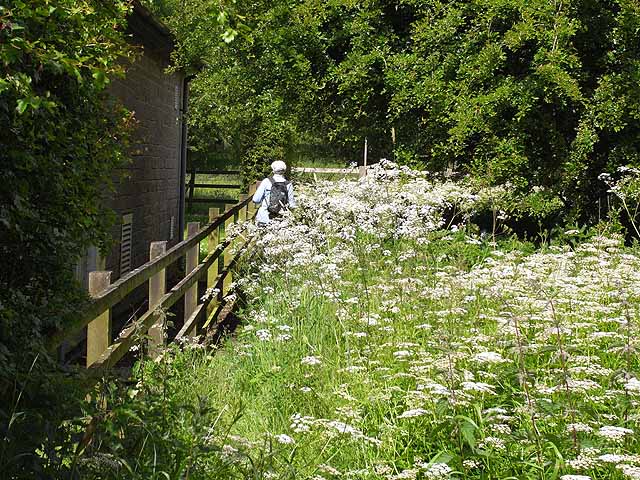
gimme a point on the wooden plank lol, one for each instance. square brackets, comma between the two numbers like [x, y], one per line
[216, 185]
[227, 258]
[212, 200]
[190, 325]
[121, 288]
[218, 172]
[157, 288]
[212, 273]
[191, 296]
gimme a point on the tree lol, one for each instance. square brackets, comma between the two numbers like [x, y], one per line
[538, 94]
[60, 139]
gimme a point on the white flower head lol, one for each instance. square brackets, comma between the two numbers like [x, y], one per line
[284, 439]
[263, 335]
[310, 361]
[489, 357]
[633, 386]
[417, 412]
[614, 433]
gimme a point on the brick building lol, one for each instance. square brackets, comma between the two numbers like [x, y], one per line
[149, 200]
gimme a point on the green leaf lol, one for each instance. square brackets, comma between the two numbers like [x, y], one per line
[229, 35]
[22, 105]
[101, 78]
[467, 431]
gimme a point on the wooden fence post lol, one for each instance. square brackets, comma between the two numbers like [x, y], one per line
[191, 296]
[252, 206]
[242, 214]
[192, 183]
[99, 330]
[157, 288]
[212, 273]
[228, 279]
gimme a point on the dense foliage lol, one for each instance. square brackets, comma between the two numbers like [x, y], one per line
[59, 143]
[541, 94]
[399, 341]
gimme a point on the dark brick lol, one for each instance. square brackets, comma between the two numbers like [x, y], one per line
[152, 191]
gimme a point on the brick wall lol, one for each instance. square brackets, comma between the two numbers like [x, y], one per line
[151, 189]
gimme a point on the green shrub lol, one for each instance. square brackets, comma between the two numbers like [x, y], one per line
[60, 141]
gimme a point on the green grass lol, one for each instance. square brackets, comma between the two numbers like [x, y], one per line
[374, 350]
[371, 356]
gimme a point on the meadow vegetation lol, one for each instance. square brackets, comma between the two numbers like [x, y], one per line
[477, 322]
[386, 337]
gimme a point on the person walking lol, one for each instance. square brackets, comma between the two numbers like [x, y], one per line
[274, 194]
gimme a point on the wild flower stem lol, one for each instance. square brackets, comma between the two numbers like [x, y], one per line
[565, 371]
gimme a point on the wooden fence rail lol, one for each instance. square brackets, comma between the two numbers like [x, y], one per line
[192, 185]
[216, 268]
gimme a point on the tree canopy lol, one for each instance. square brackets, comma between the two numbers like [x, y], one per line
[541, 94]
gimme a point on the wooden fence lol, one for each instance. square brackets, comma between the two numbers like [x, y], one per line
[198, 313]
[192, 185]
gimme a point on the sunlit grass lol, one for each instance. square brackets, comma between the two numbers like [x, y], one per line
[379, 341]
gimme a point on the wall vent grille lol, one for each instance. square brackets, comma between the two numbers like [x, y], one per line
[126, 243]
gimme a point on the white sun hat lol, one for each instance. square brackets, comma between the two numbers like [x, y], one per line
[279, 166]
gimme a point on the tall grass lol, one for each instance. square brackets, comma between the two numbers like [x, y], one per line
[385, 339]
